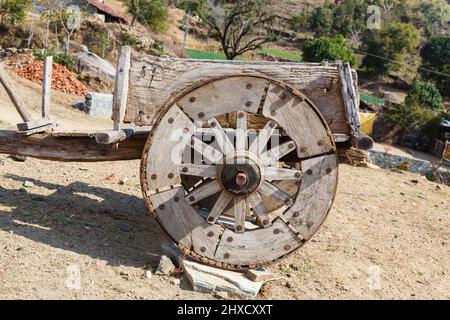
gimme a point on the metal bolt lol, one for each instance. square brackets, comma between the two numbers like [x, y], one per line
[226, 256]
[202, 249]
[249, 86]
[309, 224]
[303, 149]
[298, 175]
[192, 99]
[276, 231]
[265, 222]
[162, 207]
[192, 198]
[176, 199]
[170, 120]
[287, 247]
[272, 124]
[154, 176]
[230, 239]
[240, 115]
[184, 170]
[291, 146]
[239, 228]
[320, 143]
[283, 96]
[328, 171]
[201, 115]
[210, 234]
[248, 104]
[170, 175]
[296, 214]
[309, 172]
[273, 113]
[213, 124]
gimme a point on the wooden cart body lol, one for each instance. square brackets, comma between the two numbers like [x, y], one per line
[154, 95]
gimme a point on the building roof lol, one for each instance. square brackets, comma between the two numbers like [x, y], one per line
[103, 8]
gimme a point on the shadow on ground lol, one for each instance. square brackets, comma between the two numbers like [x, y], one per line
[99, 222]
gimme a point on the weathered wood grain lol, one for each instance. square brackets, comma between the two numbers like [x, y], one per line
[121, 86]
[47, 86]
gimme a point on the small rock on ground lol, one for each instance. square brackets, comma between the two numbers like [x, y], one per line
[260, 274]
[165, 267]
[28, 184]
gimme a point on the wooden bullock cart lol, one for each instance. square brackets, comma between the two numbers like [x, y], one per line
[239, 161]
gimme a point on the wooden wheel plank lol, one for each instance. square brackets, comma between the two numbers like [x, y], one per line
[178, 226]
[209, 153]
[219, 206]
[240, 209]
[257, 246]
[277, 152]
[241, 131]
[259, 144]
[274, 173]
[224, 96]
[205, 239]
[221, 137]
[259, 209]
[269, 189]
[316, 194]
[204, 190]
[172, 134]
[199, 170]
[298, 118]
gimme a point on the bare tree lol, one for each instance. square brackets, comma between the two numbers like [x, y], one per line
[240, 25]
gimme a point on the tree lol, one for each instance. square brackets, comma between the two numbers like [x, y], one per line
[13, 11]
[152, 13]
[388, 46]
[436, 62]
[321, 21]
[330, 49]
[239, 25]
[426, 94]
[408, 115]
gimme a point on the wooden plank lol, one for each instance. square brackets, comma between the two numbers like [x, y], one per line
[315, 196]
[200, 170]
[166, 149]
[47, 86]
[299, 120]
[222, 139]
[42, 123]
[154, 79]
[224, 96]
[121, 86]
[69, 148]
[208, 153]
[14, 96]
[241, 131]
[277, 152]
[203, 191]
[112, 137]
[257, 246]
[350, 97]
[259, 209]
[274, 173]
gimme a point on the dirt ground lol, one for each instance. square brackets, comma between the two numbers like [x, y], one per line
[387, 237]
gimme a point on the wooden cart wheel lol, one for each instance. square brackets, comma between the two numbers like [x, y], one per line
[239, 171]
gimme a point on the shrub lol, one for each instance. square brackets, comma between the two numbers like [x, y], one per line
[13, 11]
[426, 94]
[58, 57]
[129, 40]
[330, 49]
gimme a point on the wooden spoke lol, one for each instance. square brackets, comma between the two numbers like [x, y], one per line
[199, 170]
[259, 209]
[209, 153]
[270, 190]
[273, 173]
[203, 191]
[241, 131]
[240, 210]
[219, 206]
[276, 153]
[221, 137]
[258, 145]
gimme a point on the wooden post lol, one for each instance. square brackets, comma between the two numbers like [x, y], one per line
[121, 87]
[47, 86]
[15, 98]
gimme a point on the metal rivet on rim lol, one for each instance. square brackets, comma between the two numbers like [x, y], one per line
[176, 199]
[201, 115]
[192, 99]
[249, 86]
[276, 231]
[328, 171]
[287, 247]
[191, 198]
[170, 176]
[162, 207]
[213, 124]
[210, 234]
[170, 120]
[184, 170]
[296, 214]
[248, 104]
[202, 249]
[226, 256]
[230, 239]
[154, 176]
[309, 172]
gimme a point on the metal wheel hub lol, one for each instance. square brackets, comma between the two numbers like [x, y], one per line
[241, 179]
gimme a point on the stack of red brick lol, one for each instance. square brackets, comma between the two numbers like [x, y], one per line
[63, 79]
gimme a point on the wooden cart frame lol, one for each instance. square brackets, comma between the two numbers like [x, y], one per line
[238, 199]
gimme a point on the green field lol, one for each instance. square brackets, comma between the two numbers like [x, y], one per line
[277, 53]
[200, 54]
